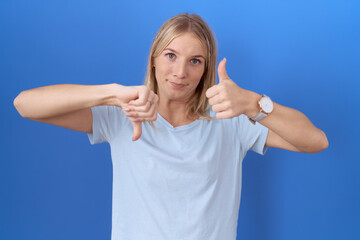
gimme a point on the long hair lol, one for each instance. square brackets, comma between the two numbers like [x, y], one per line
[172, 28]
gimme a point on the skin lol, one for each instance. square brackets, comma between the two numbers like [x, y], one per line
[288, 128]
[178, 72]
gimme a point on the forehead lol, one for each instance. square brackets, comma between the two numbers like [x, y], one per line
[187, 44]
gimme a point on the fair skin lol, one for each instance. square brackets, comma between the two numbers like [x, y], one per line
[69, 105]
[178, 71]
[288, 128]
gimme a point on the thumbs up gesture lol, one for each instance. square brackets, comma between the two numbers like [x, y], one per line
[227, 99]
[139, 104]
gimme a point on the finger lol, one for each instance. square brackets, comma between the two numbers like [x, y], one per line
[149, 113]
[137, 130]
[223, 115]
[220, 107]
[154, 117]
[156, 98]
[135, 105]
[153, 111]
[144, 93]
[222, 71]
[143, 108]
[211, 92]
[217, 99]
[141, 114]
[152, 97]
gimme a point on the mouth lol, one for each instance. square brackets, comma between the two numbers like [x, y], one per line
[177, 85]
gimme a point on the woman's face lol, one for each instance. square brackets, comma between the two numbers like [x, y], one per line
[179, 68]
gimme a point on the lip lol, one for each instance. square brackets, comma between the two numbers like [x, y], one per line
[177, 85]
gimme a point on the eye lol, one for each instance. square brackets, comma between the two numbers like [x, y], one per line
[170, 55]
[195, 61]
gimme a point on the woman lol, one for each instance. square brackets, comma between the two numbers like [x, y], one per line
[180, 177]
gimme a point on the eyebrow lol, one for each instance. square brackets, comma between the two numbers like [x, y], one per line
[178, 53]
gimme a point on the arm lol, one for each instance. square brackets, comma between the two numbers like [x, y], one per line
[64, 105]
[68, 105]
[288, 128]
[55, 100]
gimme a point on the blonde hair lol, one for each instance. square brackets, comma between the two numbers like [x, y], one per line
[172, 28]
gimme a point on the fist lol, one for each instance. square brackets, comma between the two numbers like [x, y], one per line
[142, 106]
[227, 99]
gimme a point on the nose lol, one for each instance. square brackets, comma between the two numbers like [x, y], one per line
[180, 69]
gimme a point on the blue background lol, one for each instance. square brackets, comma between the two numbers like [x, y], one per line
[304, 54]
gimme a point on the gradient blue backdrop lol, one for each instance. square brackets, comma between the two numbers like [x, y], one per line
[304, 54]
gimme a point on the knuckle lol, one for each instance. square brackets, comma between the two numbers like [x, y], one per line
[228, 104]
[207, 93]
[222, 98]
[148, 106]
[142, 101]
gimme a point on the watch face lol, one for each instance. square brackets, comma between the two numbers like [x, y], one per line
[266, 104]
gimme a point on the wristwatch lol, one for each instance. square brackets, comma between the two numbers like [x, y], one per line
[266, 107]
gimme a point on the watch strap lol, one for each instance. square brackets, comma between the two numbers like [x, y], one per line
[258, 117]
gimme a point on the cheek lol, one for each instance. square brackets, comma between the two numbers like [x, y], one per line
[198, 75]
[162, 71]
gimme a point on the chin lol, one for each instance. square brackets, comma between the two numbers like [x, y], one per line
[177, 96]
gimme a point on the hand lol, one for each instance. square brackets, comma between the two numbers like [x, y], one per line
[139, 104]
[227, 99]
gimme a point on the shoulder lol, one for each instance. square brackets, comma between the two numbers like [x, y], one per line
[109, 111]
[109, 115]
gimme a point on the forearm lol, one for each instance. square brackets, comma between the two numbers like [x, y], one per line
[293, 126]
[50, 101]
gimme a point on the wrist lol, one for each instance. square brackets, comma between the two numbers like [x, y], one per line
[253, 107]
[110, 94]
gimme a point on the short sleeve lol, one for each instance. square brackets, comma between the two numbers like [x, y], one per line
[251, 136]
[106, 123]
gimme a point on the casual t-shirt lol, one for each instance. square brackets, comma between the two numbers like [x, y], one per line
[176, 183]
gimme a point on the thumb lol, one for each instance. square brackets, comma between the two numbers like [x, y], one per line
[137, 130]
[222, 70]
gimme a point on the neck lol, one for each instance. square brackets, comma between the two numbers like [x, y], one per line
[174, 112]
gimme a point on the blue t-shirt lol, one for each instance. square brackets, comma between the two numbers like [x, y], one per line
[181, 183]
